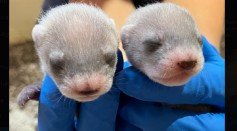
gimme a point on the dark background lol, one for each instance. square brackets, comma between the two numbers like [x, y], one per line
[4, 75]
[231, 65]
[230, 56]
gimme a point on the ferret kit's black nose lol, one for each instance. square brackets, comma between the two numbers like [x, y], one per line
[88, 92]
[187, 65]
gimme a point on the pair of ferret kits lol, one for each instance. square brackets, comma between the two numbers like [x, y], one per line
[77, 45]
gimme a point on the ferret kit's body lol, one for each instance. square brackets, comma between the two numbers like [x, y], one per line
[162, 41]
[77, 46]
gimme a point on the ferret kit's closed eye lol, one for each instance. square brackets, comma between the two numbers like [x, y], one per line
[77, 45]
[163, 42]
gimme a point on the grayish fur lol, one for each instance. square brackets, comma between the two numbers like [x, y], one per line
[76, 40]
[167, 25]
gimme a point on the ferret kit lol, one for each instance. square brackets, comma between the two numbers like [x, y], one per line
[162, 41]
[77, 46]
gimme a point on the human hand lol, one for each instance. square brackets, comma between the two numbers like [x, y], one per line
[55, 112]
[207, 87]
[136, 115]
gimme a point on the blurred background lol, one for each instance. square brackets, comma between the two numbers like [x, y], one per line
[24, 66]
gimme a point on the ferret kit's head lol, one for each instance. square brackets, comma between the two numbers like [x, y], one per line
[77, 45]
[163, 42]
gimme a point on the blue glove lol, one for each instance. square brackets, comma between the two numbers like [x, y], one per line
[57, 113]
[208, 87]
[136, 115]
[142, 111]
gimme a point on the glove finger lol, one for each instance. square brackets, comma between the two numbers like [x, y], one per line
[149, 116]
[100, 113]
[210, 53]
[201, 89]
[202, 122]
[51, 95]
[55, 110]
[152, 117]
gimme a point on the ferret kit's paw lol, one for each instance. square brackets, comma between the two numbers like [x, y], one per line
[30, 92]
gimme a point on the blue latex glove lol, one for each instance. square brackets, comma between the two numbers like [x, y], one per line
[144, 113]
[208, 87]
[56, 113]
[136, 115]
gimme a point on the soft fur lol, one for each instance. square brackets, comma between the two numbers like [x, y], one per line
[159, 36]
[77, 45]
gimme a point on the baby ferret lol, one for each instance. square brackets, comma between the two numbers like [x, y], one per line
[162, 41]
[77, 45]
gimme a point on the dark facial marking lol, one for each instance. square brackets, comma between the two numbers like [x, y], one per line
[110, 59]
[88, 92]
[151, 45]
[57, 65]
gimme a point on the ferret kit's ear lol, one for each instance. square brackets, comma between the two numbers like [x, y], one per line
[125, 31]
[199, 38]
[113, 23]
[38, 32]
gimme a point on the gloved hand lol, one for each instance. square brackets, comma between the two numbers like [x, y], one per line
[136, 115]
[57, 113]
[208, 87]
[142, 111]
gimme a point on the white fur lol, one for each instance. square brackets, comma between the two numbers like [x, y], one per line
[82, 35]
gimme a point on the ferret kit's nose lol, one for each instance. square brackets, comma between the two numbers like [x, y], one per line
[88, 91]
[187, 65]
[85, 90]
